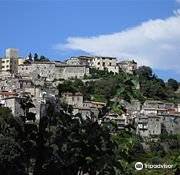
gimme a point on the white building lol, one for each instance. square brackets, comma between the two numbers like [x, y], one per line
[11, 61]
[98, 62]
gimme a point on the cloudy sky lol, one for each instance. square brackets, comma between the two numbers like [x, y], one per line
[146, 31]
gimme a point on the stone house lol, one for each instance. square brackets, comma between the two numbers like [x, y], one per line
[133, 107]
[75, 99]
[80, 60]
[38, 69]
[86, 108]
[128, 66]
[97, 62]
[171, 123]
[148, 125]
[9, 84]
[14, 104]
[158, 107]
[85, 112]
[121, 121]
[109, 63]
[154, 125]
[142, 125]
[153, 104]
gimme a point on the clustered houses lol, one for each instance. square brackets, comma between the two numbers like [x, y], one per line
[102, 63]
[157, 117]
[39, 80]
[85, 108]
[93, 108]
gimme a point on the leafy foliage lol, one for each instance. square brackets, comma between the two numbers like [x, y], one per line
[11, 157]
[69, 146]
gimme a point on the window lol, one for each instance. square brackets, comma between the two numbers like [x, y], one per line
[7, 61]
[7, 66]
[109, 64]
[103, 63]
[2, 66]
[98, 63]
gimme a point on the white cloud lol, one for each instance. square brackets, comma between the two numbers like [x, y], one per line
[155, 43]
[177, 12]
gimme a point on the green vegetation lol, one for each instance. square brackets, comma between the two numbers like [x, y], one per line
[143, 84]
[153, 87]
[62, 143]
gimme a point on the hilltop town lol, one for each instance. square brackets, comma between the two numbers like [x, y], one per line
[82, 110]
[39, 79]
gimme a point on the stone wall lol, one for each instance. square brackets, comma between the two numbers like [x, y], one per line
[52, 71]
[71, 71]
[171, 123]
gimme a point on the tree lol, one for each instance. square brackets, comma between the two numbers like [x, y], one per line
[11, 157]
[43, 58]
[173, 84]
[30, 57]
[67, 145]
[129, 149]
[6, 120]
[36, 57]
[144, 71]
[67, 86]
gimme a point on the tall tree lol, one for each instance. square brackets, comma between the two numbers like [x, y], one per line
[30, 57]
[11, 157]
[173, 84]
[36, 57]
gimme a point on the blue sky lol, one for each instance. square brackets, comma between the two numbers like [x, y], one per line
[53, 28]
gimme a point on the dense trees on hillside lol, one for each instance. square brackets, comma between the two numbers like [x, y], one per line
[70, 146]
[146, 85]
[155, 88]
[62, 143]
[173, 84]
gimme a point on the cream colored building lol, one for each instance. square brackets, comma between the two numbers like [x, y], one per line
[20, 61]
[98, 62]
[10, 61]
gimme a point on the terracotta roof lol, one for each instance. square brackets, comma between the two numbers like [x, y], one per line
[6, 93]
